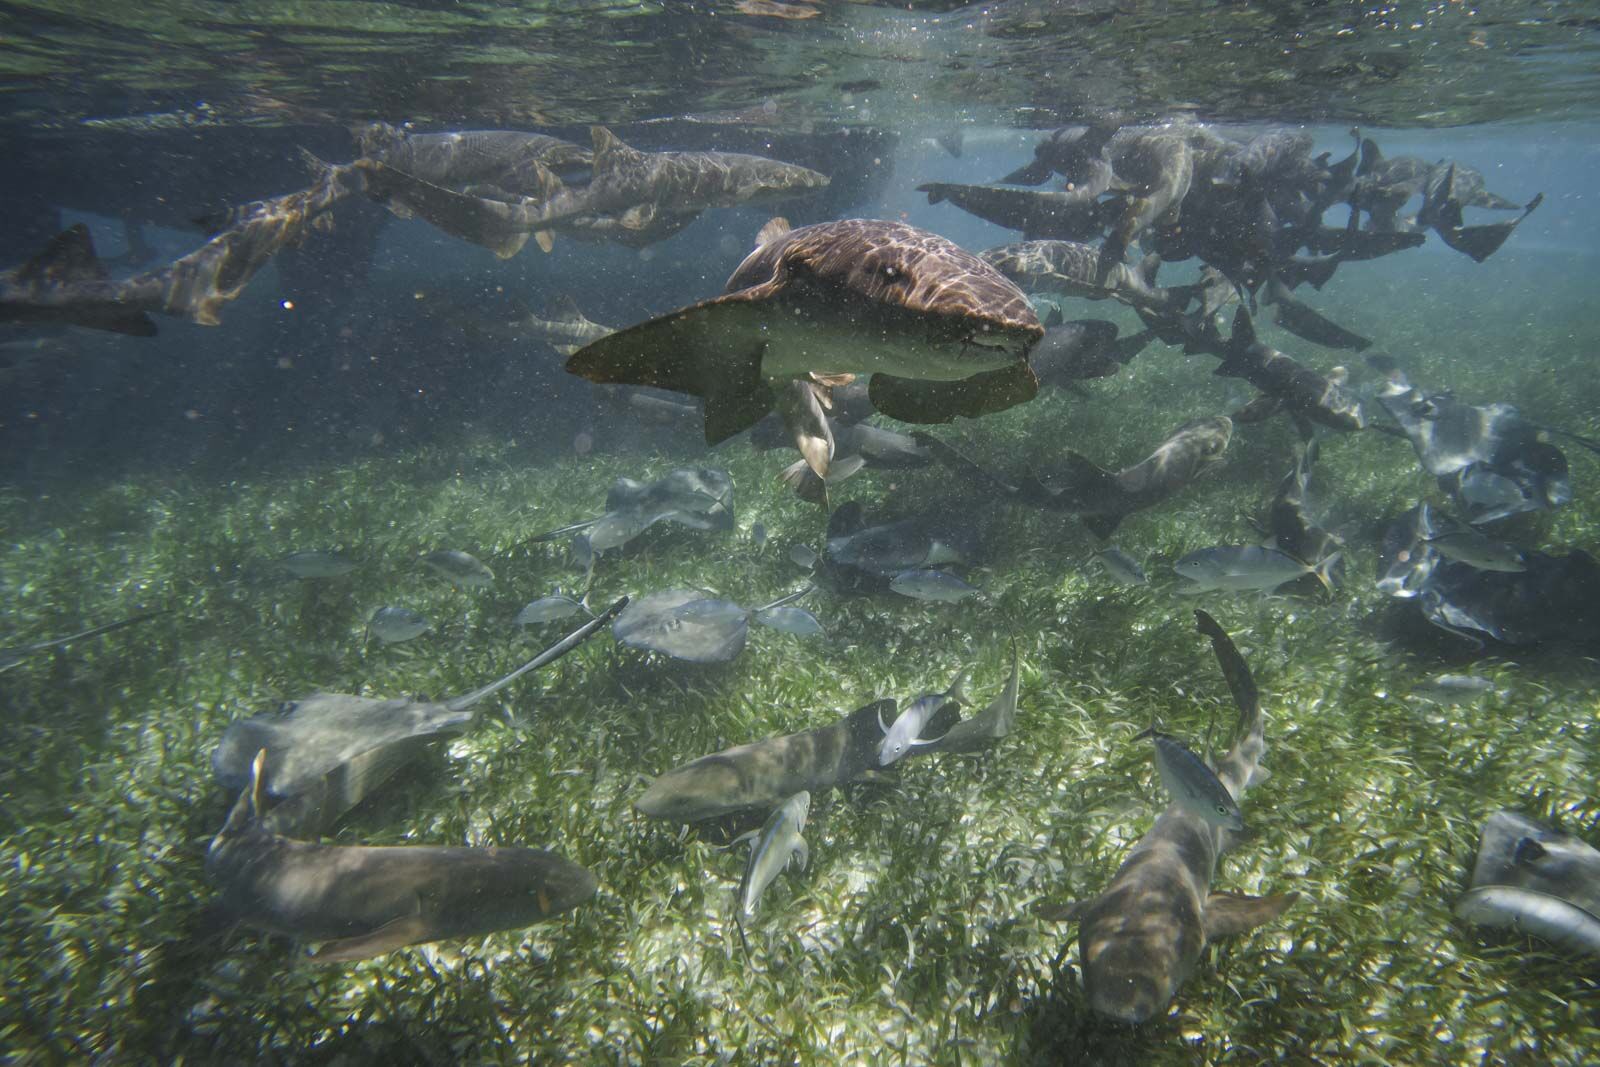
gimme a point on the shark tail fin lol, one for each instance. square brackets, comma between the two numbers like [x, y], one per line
[1371, 157]
[775, 228]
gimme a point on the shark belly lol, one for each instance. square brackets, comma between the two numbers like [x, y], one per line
[804, 340]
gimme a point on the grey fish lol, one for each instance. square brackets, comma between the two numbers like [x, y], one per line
[761, 774]
[942, 333]
[10, 657]
[1141, 939]
[1101, 498]
[1453, 688]
[905, 734]
[314, 563]
[459, 568]
[547, 609]
[1191, 784]
[564, 328]
[1243, 568]
[771, 851]
[328, 751]
[1474, 549]
[932, 585]
[392, 625]
[362, 901]
[1121, 566]
[1535, 880]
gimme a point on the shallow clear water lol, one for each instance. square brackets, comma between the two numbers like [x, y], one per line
[376, 391]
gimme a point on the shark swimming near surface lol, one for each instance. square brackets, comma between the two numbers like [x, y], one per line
[942, 333]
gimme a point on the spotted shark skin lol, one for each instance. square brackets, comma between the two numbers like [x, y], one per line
[1142, 938]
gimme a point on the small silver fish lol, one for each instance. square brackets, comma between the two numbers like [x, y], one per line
[393, 625]
[1468, 546]
[1237, 568]
[778, 842]
[931, 585]
[803, 556]
[547, 609]
[1121, 567]
[1191, 784]
[314, 563]
[796, 621]
[906, 733]
[1453, 688]
[458, 567]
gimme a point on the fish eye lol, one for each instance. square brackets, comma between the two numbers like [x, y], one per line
[1221, 810]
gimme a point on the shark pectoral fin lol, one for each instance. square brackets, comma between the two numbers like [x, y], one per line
[545, 240]
[406, 930]
[732, 409]
[801, 854]
[1059, 911]
[911, 400]
[1227, 914]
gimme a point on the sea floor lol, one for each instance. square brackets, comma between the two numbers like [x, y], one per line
[912, 936]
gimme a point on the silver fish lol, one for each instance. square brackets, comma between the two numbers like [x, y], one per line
[547, 609]
[906, 733]
[1475, 550]
[459, 568]
[1453, 688]
[796, 621]
[1122, 568]
[1236, 568]
[1191, 784]
[392, 625]
[932, 585]
[779, 841]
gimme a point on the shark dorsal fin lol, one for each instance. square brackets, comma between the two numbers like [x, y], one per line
[69, 257]
[774, 229]
[609, 149]
[564, 309]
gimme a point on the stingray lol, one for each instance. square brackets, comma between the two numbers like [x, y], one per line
[700, 498]
[1555, 599]
[687, 624]
[10, 657]
[327, 752]
[1532, 879]
[942, 333]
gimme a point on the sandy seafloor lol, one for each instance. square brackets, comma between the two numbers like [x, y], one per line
[911, 937]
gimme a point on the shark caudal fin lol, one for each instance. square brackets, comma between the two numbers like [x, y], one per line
[1481, 242]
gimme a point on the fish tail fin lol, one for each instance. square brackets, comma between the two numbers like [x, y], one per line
[1325, 568]
[738, 924]
[1371, 157]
